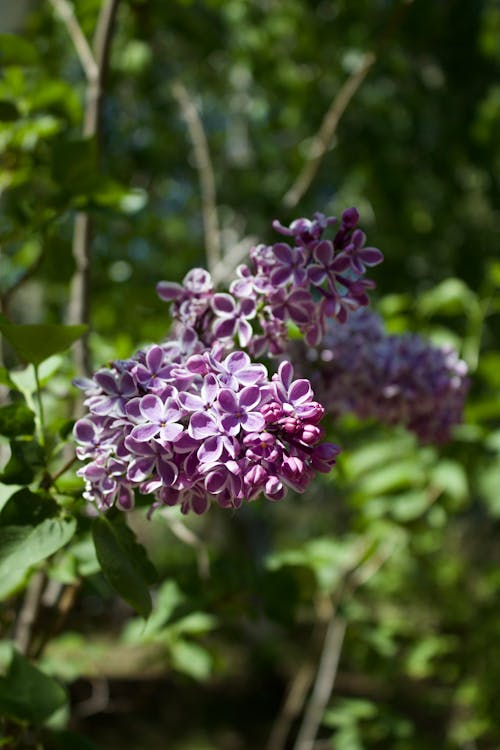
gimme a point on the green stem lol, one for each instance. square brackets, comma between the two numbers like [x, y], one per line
[41, 417]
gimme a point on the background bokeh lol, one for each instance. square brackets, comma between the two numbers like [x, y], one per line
[400, 540]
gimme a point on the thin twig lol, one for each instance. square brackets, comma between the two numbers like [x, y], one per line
[20, 281]
[94, 63]
[326, 674]
[50, 480]
[29, 612]
[322, 140]
[65, 597]
[323, 684]
[82, 48]
[181, 531]
[205, 173]
[295, 699]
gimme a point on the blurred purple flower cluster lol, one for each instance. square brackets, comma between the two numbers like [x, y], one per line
[190, 425]
[397, 379]
[306, 280]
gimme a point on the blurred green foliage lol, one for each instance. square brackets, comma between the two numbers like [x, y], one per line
[418, 152]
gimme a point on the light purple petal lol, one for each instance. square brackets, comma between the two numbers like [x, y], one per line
[144, 432]
[191, 402]
[152, 408]
[253, 422]
[211, 449]
[170, 432]
[236, 361]
[202, 425]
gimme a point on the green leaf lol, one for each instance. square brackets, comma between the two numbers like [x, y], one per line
[124, 562]
[27, 693]
[15, 50]
[16, 419]
[23, 546]
[450, 297]
[5, 378]
[26, 508]
[25, 460]
[75, 165]
[8, 111]
[34, 343]
[192, 659]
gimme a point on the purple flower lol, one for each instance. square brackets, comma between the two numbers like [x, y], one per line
[160, 419]
[290, 265]
[232, 318]
[238, 410]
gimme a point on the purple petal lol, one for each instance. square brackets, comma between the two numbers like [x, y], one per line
[316, 274]
[140, 469]
[125, 499]
[245, 332]
[300, 391]
[227, 401]
[216, 480]
[279, 276]
[85, 431]
[249, 396]
[202, 425]
[323, 252]
[253, 422]
[341, 262]
[107, 382]
[223, 304]
[283, 253]
[168, 472]
[152, 408]
[154, 358]
[191, 402]
[236, 361]
[144, 432]
[168, 291]
[371, 256]
[224, 328]
[285, 374]
[254, 374]
[211, 449]
[170, 432]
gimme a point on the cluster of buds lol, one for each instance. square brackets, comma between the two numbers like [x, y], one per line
[306, 281]
[395, 379]
[189, 425]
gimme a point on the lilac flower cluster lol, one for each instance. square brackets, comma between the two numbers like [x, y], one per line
[190, 425]
[398, 379]
[306, 280]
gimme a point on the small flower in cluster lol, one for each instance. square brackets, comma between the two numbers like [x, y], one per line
[397, 379]
[188, 426]
[305, 280]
